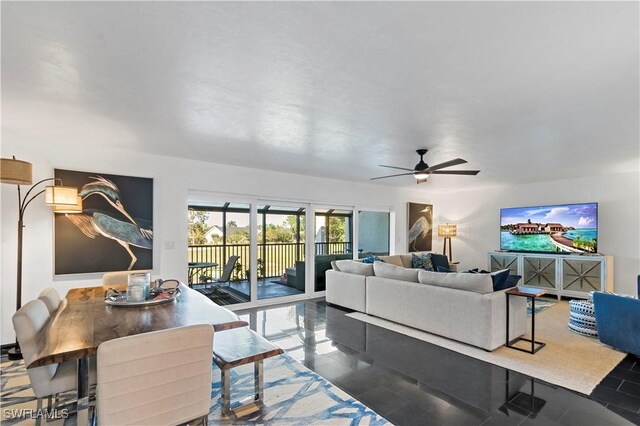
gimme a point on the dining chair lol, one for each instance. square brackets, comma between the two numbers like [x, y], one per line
[48, 380]
[160, 377]
[51, 299]
[120, 279]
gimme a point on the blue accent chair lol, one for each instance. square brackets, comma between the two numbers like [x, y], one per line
[618, 320]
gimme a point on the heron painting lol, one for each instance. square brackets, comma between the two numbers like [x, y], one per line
[420, 226]
[114, 232]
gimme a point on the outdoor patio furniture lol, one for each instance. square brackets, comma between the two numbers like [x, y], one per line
[224, 278]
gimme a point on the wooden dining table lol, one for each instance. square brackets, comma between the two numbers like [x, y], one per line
[84, 321]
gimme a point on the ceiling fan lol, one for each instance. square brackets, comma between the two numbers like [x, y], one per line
[421, 171]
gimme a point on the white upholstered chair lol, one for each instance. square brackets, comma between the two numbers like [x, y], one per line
[51, 299]
[161, 377]
[48, 380]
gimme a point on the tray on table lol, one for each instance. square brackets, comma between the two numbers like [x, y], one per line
[120, 298]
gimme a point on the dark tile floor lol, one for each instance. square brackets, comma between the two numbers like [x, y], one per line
[411, 382]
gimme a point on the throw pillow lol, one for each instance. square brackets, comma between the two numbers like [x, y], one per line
[371, 259]
[439, 261]
[422, 262]
[499, 278]
[446, 270]
[355, 267]
[511, 281]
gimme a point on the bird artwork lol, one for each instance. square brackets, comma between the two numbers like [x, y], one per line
[105, 217]
[420, 227]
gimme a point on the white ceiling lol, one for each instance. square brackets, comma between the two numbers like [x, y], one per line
[525, 91]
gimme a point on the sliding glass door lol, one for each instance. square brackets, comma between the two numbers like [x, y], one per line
[373, 233]
[333, 241]
[281, 251]
[219, 251]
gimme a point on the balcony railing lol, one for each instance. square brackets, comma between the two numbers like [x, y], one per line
[273, 258]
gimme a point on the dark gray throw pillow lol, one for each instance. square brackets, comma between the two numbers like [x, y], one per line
[499, 278]
[439, 261]
[511, 281]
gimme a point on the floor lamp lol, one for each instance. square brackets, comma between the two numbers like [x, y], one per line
[447, 230]
[64, 199]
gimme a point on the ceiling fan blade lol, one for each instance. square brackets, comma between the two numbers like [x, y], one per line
[449, 163]
[384, 177]
[456, 172]
[394, 167]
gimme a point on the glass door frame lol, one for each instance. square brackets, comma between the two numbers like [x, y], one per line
[204, 197]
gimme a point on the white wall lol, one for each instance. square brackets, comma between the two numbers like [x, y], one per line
[477, 213]
[174, 180]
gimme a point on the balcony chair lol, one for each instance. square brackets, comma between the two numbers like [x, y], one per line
[51, 299]
[618, 320]
[48, 380]
[225, 277]
[174, 363]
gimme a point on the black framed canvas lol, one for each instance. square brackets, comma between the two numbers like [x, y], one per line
[114, 232]
[420, 227]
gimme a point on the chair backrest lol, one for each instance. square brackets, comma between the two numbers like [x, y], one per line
[119, 280]
[228, 269]
[27, 323]
[174, 363]
[51, 299]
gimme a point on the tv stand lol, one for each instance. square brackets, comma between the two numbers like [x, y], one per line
[571, 275]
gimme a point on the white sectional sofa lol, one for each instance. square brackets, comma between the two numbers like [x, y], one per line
[457, 306]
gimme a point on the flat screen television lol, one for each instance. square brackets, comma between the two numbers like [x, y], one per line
[562, 228]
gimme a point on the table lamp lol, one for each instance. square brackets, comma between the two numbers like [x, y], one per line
[447, 230]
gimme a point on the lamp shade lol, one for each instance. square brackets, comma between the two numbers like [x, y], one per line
[68, 209]
[447, 230]
[61, 195]
[15, 172]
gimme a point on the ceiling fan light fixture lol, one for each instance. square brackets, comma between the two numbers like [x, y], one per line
[421, 175]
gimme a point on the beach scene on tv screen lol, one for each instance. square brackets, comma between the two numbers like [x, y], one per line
[571, 228]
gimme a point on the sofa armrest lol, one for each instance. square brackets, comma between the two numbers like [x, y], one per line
[618, 321]
[348, 290]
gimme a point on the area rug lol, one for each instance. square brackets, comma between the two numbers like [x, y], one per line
[569, 360]
[541, 305]
[293, 395]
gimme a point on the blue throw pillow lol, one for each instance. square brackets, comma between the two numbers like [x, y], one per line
[423, 262]
[441, 269]
[439, 261]
[499, 278]
[371, 259]
[511, 281]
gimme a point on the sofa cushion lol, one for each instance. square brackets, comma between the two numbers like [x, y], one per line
[393, 260]
[439, 261]
[479, 283]
[355, 267]
[422, 261]
[406, 260]
[386, 270]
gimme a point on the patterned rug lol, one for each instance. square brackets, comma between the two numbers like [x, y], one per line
[541, 305]
[294, 395]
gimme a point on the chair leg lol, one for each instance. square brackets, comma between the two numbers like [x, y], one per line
[39, 412]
